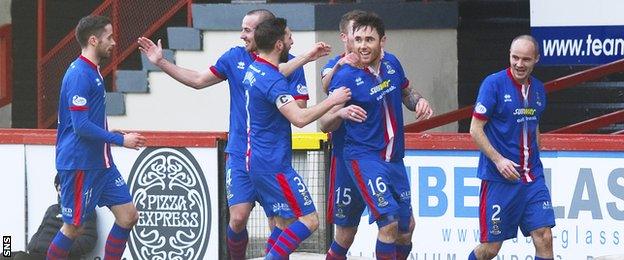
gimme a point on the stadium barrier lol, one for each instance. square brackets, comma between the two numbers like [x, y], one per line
[583, 172]
[177, 183]
[311, 153]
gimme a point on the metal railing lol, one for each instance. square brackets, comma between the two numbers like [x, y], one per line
[551, 86]
[130, 20]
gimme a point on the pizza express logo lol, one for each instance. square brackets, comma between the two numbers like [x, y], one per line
[171, 195]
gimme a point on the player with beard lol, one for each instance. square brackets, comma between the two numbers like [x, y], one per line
[374, 149]
[231, 66]
[270, 111]
[88, 176]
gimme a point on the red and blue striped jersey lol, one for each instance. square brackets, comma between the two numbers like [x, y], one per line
[269, 133]
[512, 124]
[231, 66]
[381, 134]
[83, 140]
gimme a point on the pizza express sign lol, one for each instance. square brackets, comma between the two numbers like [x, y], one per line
[171, 195]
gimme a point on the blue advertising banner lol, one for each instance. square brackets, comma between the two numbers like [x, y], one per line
[579, 45]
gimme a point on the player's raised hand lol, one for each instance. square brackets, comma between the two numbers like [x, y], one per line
[152, 51]
[340, 95]
[134, 141]
[353, 113]
[351, 58]
[318, 50]
[507, 168]
[423, 109]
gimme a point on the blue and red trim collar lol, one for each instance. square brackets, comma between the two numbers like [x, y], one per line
[89, 62]
[514, 81]
[261, 60]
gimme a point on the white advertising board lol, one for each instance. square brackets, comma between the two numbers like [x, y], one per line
[13, 221]
[578, 32]
[587, 190]
[174, 189]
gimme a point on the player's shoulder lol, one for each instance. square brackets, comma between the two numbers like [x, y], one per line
[265, 70]
[77, 70]
[347, 74]
[390, 56]
[236, 51]
[347, 69]
[330, 65]
[77, 66]
[391, 61]
[335, 59]
[499, 77]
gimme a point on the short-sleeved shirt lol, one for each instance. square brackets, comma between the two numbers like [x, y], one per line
[269, 132]
[231, 66]
[83, 141]
[381, 134]
[512, 124]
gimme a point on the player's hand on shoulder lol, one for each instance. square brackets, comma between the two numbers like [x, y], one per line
[152, 51]
[319, 49]
[340, 95]
[350, 58]
[423, 109]
[134, 141]
[507, 169]
[353, 113]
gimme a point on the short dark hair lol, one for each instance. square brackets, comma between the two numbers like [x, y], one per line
[370, 19]
[269, 32]
[90, 25]
[349, 16]
[264, 14]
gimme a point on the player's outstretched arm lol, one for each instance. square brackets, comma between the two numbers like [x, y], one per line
[301, 117]
[318, 50]
[331, 120]
[191, 78]
[414, 101]
[506, 167]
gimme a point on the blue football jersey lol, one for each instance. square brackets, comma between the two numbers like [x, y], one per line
[269, 133]
[337, 136]
[231, 66]
[512, 123]
[381, 134]
[83, 141]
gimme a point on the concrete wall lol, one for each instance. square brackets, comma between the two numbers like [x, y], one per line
[5, 18]
[171, 105]
[5, 116]
[5, 12]
[423, 36]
